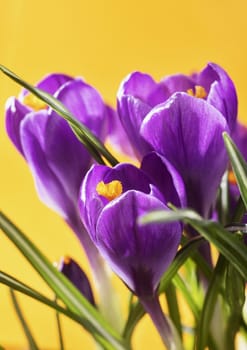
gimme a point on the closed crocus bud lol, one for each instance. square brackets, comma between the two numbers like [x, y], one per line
[77, 276]
[139, 94]
[111, 201]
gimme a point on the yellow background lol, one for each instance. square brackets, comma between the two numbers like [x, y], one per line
[102, 41]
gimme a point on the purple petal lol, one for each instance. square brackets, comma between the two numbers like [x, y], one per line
[130, 176]
[132, 112]
[50, 83]
[85, 103]
[222, 93]
[143, 87]
[91, 203]
[138, 254]
[178, 83]
[117, 135]
[166, 178]
[187, 131]
[15, 113]
[57, 160]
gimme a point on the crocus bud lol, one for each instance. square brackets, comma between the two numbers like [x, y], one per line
[77, 276]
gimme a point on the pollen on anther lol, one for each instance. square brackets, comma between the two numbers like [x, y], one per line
[110, 190]
[66, 260]
[231, 178]
[34, 102]
[199, 92]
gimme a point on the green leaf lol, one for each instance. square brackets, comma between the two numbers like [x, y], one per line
[31, 341]
[62, 287]
[234, 298]
[168, 216]
[59, 330]
[227, 244]
[94, 145]
[173, 308]
[235, 290]
[26, 290]
[239, 166]
[179, 284]
[209, 304]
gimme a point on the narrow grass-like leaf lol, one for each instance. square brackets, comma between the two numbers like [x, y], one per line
[59, 329]
[24, 289]
[209, 304]
[62, 287]
[15, 284]
[239, 166]
[173, 308]
[31, 341]
[94, 145]
[227, 244]
[168, 216]
[137, 311]
[180, 285]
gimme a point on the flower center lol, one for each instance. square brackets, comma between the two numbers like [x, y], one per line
[34, 102]
[66, 260]
[198, 92]
[231, 178]
[111, 190]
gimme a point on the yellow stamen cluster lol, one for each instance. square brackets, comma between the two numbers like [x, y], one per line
[34, 102]
[66, 260]
[231, 178]
[199, 92]
[111, 190]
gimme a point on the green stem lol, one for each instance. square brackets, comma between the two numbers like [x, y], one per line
[59, 329]
[209, 304]
[164, 326]
[108, 301]
[183, 254]
[179, 283]
[172, 303]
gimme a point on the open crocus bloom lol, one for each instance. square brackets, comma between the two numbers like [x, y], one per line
[58, 161]
[139, 93]
[188, 132]
[182, 119]
[111, 201]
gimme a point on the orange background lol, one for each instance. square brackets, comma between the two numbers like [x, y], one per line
[102, 41]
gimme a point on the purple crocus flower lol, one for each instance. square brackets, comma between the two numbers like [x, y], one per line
[58, 161]
[188, 133]
[182, 118]
[139, 93]
[77, 276]
[111, 201]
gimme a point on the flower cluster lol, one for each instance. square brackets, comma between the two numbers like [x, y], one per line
[173, 128]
